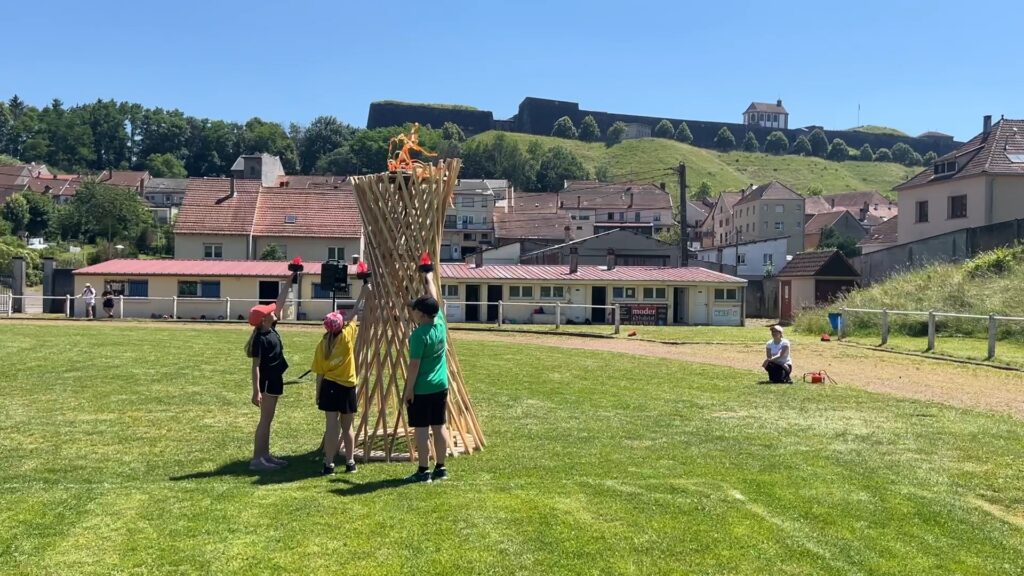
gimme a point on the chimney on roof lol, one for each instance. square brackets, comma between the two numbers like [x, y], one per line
[630, 200]
[611, 259]
[574, 259]
[986, 124]
[579, 201]
[864, 211]
[561, 204]
[231, 187]
[568, 233]
[779, 102]
[478, 258]
[662, 186]
[831, 202]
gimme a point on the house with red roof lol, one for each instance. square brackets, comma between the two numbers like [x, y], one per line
[979, 183]
[238, 219]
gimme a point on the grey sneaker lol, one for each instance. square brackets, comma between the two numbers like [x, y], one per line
[328, 470]
[418, 476]
[440, 473]
[262, 465]
[275, 461]
[350, 467]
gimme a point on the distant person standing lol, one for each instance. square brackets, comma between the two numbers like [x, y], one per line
[108, 303]
[89, 298]
[778, 362]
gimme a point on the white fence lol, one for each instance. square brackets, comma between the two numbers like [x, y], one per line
[554, 313]
[993, 321]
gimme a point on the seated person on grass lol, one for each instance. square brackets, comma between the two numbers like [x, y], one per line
[778, 363]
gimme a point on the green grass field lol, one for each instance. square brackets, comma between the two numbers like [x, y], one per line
[1008, 352]
[755, 333]
[123, 449]
[726, 171]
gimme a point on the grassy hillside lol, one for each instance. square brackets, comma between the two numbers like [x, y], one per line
[870, 129]
[991, 283]
[724, 170]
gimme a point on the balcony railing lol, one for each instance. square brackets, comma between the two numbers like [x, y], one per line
[468, 226]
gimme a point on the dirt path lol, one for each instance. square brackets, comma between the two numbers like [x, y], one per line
[960, 385]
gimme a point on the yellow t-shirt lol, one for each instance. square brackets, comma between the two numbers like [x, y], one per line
[340, 366]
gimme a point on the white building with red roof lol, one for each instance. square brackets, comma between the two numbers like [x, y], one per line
[236, 219]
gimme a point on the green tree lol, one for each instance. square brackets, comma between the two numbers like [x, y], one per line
[929, 158]
[664, 129]
[272, 252]
[724, 140]
[260, 136]
[832, 240]
[883, 155]
[914, 160]
[865, 154]
[16, 213]
[65, 223]
[802, 147]
[750, 143]
[838, 151]
[589, 130]
[110, 212]
[776, 143]
[603, 173]
[558, 165]
[166, 166]
[683, 134]
[616, 133]
[814, 190]
[703, 190]
[40, 210]
[324, 135]
[109, 137]
[451, 131]
[818, 142]
[902, 153]
[564, 129]
[213, 146]
[162, 132]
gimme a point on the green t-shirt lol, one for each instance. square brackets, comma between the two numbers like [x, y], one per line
[428, 344]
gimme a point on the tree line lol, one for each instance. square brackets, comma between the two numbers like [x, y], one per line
[815, 144]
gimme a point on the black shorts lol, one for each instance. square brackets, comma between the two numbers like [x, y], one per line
[337, 398]
[428, 409]
[272, 384]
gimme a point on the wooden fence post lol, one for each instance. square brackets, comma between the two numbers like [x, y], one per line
[501, 311]
[120, 307]
[992, 325]
[558, 315]
[174, 307]
[931, 331]
[67, 306]
[227, 308]
[618, 323]
[885, 326]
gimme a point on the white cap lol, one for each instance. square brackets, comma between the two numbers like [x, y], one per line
[776, 327]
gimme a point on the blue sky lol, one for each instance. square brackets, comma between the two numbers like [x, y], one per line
[912, 65]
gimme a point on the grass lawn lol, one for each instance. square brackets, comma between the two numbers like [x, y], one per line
[1008, 352]
[123, 449]
[724, 170]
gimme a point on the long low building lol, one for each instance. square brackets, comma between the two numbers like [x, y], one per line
[220, 290]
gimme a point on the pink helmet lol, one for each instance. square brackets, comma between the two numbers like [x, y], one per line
[334, 322]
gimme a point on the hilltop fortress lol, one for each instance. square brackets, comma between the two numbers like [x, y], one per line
[538, 116]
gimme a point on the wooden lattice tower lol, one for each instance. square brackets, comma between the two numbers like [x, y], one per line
[403, 216]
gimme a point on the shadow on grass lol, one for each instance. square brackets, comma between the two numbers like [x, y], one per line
[360, 489]
[300, 467]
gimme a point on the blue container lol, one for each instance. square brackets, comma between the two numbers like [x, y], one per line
[835, 319]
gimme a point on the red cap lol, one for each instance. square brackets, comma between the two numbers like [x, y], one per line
[258, 313]
[362, 267]
[296, 260]
[425, 257]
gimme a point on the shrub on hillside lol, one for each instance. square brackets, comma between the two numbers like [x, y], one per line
[838, 151]
[683, 133]
[995, 262]
[724, 140]
[819, 143]
[929, 158]
[802, 147]
[750, 143]
[866, 154]
[564, 129]
[883, 155]
[664, 129]
[902, 153]
[589, 131]
[616, 133]
[776, 143]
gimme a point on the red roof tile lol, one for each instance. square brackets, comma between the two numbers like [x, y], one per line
[254, 268]
[123, 178]
[207, 208]
[459, 271]
[618, 196]
[823, 220]
[884, 233]
[312, 213]
[286, 181]
[530, 226]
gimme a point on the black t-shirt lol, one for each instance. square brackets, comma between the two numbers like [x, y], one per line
[268, 348]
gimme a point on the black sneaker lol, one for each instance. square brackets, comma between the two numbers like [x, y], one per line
[328, 470]
[350, 467]
[440, 473]
[419, 477]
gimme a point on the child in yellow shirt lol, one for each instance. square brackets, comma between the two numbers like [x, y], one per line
[334, 364]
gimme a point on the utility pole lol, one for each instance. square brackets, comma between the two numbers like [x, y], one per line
[684, 257]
